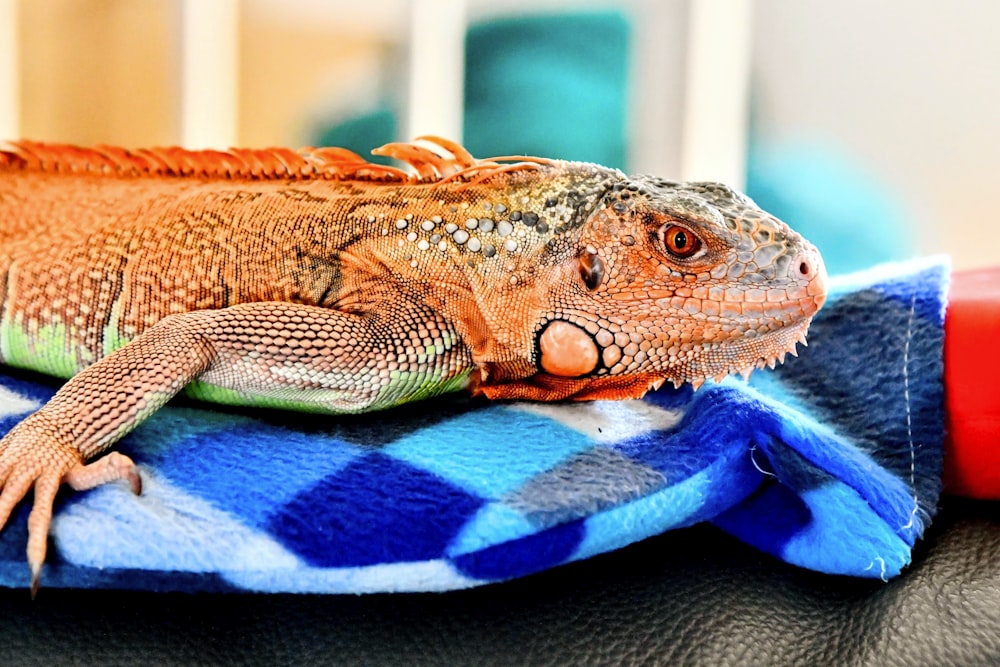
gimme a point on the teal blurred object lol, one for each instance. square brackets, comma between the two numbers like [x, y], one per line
[556, 85]
[838, 205]
[552, 85]
[362, 133]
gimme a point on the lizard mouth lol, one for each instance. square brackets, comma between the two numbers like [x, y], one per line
[766, 351]
[750, 353]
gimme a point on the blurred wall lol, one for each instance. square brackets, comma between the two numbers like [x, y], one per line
[304, 61]
[908, 88]
[98, 71]
[106, 71]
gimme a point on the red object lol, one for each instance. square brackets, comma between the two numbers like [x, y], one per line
[972, 385]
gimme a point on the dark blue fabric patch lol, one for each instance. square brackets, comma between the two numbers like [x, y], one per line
[59, 575]
[790, 466]
[248, 469]
[529, 554]
[9, 422]
[767, 519]
[921, 289]
[30, 386]
[669, 397]
[719, 418]
[744, 471]
[901, 428]
[15, 534]
[377, 509]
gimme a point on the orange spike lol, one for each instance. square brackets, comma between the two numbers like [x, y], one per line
[429, 165]
[440, 160]
[256, 167]
[287, 163]
[126, 162]
[462, 156]
[342, 163]
[490, 170]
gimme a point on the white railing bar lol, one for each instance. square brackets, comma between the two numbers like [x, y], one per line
[657, 85]
[10, 71]
[209, 72]
[717, 89]
[435, 95]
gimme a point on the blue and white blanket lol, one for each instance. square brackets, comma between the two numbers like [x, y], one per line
[831, 462]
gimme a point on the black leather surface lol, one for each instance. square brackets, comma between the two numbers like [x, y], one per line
[690, 597]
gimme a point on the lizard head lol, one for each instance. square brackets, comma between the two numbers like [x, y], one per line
[680, 282]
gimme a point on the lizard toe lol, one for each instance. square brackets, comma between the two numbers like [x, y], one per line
[39, 521]
[15, 486]
[110, 468]
[31, 457]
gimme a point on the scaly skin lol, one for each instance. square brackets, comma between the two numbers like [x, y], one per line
[318, 281]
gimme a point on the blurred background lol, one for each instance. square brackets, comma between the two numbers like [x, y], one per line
[871, 127]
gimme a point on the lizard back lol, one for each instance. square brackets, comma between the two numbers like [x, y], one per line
[99, 244]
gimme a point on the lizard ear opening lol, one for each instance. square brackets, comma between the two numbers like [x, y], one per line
[591, 269]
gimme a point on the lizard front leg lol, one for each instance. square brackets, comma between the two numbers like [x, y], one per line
[293, 355]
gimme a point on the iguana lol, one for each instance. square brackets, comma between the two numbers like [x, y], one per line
[316, 280]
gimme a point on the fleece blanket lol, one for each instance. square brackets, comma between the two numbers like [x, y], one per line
[830, 462]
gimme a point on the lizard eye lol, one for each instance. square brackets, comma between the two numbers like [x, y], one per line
[680, 242]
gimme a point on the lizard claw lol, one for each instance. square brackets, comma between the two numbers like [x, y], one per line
[32, 456]
[80, 477]
[39, 520]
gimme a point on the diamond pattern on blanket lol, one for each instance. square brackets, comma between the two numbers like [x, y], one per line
[830, 462]
[476, 451]
[377, 509]
[523, 556]
[250, 481]
[584, 484]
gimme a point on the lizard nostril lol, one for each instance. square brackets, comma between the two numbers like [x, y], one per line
[808, 264]
[811, 269]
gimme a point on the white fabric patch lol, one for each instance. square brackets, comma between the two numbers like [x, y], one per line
[430, 576]
[607, 421]
[110, 527]
[15, 404]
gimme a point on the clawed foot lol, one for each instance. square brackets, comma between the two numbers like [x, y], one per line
[31, 455]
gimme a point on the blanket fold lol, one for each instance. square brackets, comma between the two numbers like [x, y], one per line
[830, 462]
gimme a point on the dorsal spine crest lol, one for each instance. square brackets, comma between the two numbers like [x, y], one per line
[431, 159]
